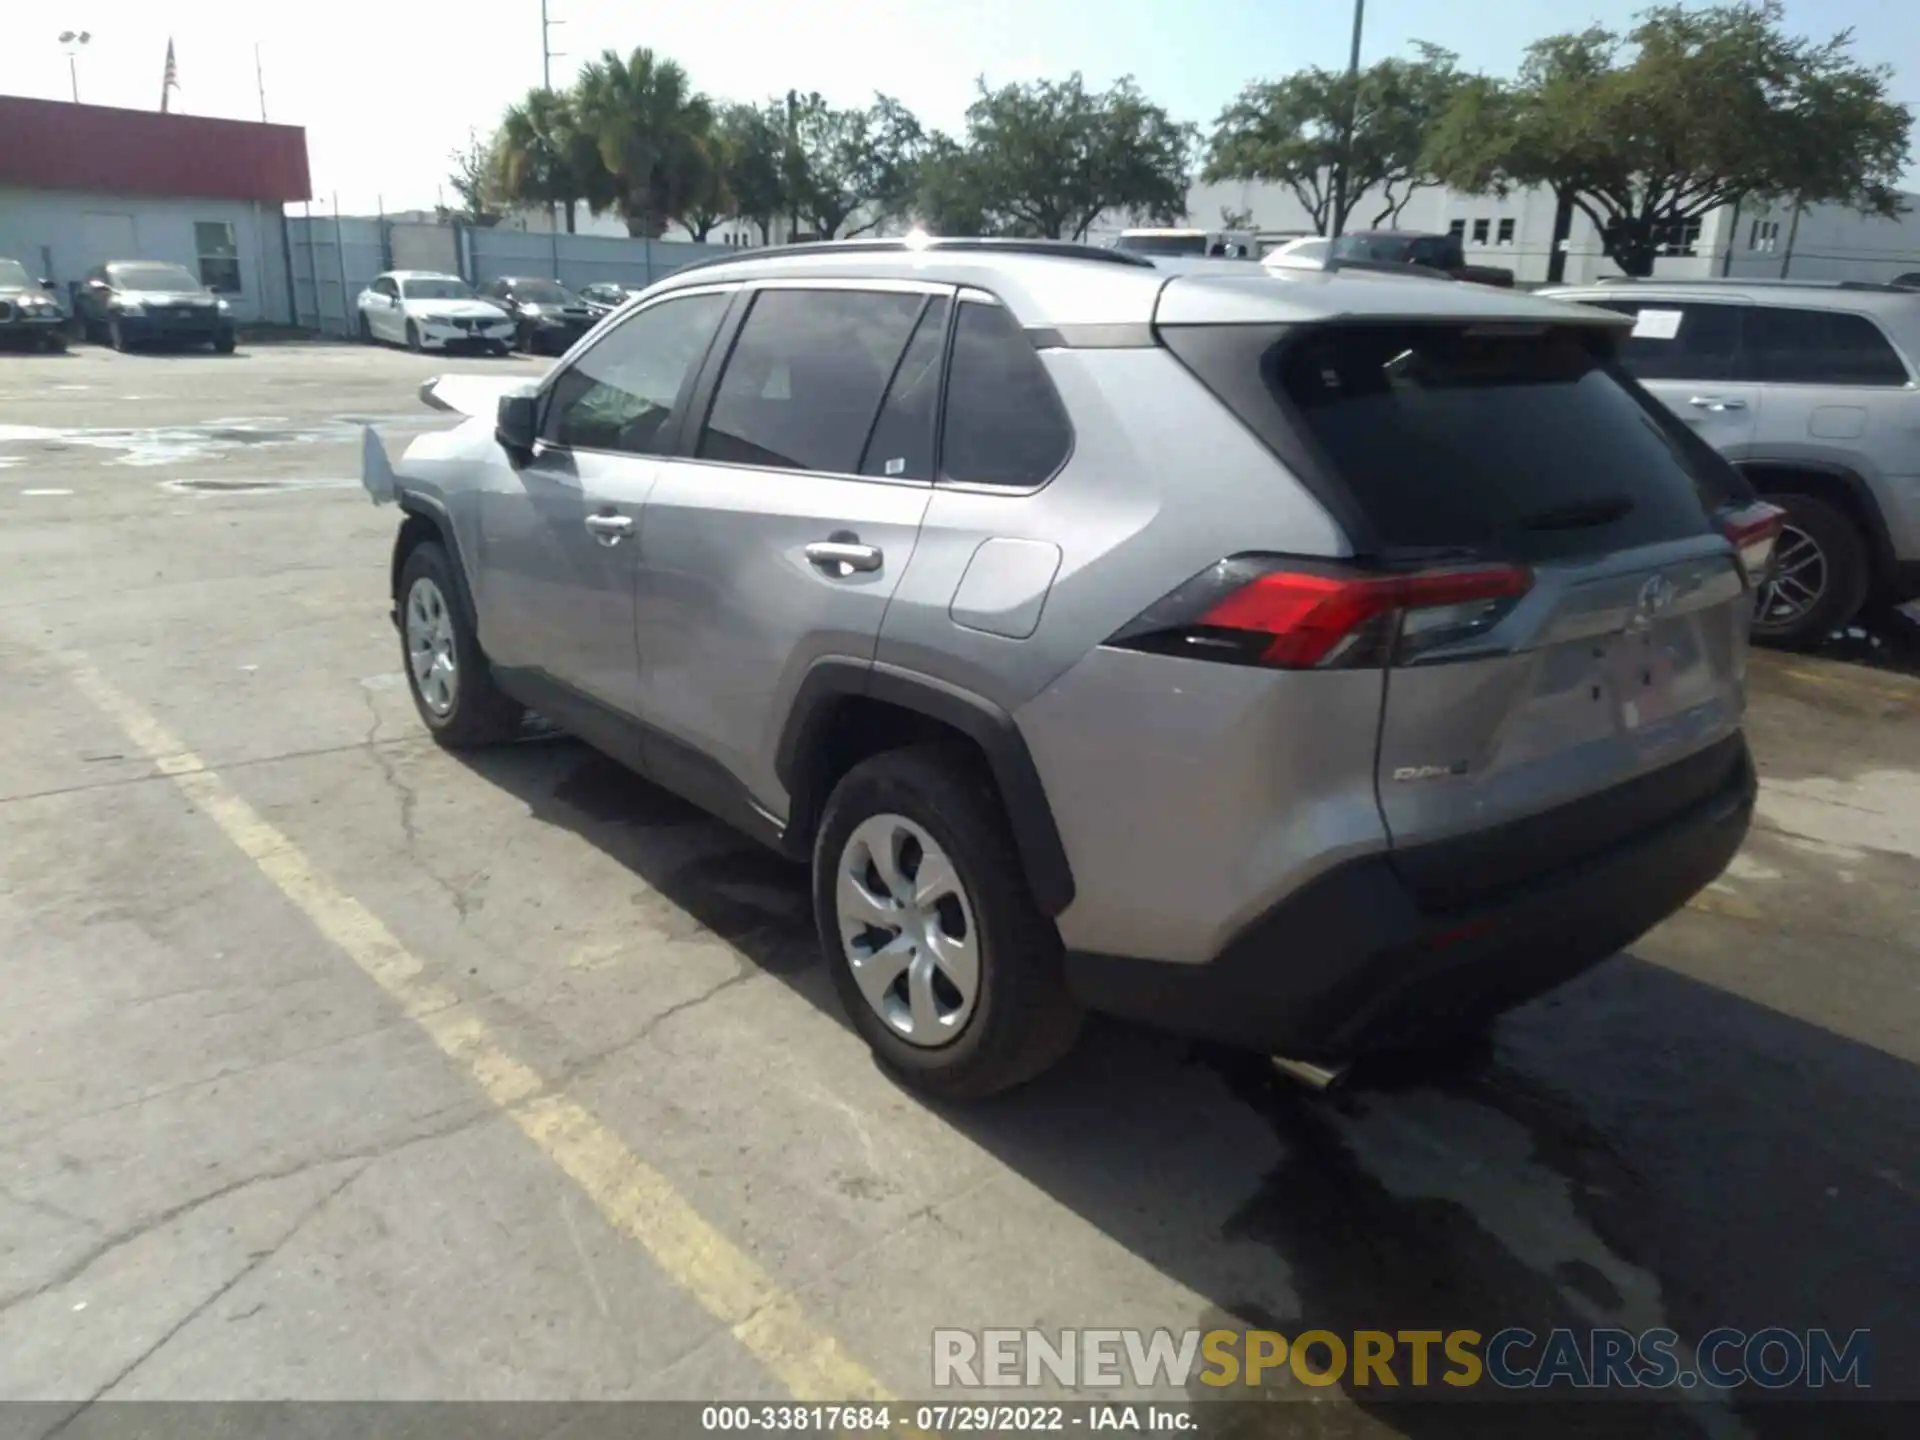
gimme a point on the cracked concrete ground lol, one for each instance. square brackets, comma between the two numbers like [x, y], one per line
[231, 1168]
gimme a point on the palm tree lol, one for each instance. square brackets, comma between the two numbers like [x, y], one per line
[652, 129]
[544, 157]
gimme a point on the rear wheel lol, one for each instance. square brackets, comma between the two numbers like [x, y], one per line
[447, 672]
[945, 965]
[1819, 576]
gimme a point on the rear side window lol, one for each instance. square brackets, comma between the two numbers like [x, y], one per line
[901, 446]
[1680, 342]
[1820, 347]
[1519, 444]
[1004, 423]
[806, 377]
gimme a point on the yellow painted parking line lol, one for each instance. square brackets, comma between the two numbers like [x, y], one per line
[1840, 680]
[633, 1197]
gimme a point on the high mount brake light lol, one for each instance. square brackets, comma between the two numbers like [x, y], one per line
[1754, 530]
[1254, 610]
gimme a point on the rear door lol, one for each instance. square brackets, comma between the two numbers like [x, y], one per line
[778, 535]
[1625, 654]
[1688, 355]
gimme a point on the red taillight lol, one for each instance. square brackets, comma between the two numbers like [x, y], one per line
[1259, 611]
[1754, 531]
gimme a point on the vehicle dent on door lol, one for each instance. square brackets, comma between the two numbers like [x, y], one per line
[560, 532]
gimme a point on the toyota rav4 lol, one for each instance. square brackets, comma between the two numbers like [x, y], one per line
[1311, 660]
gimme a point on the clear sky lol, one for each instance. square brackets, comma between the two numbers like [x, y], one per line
[386, 88]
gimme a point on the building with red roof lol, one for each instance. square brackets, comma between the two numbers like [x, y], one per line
[82, 185]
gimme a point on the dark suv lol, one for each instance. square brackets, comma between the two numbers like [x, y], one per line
[132, 302]
[548, 317]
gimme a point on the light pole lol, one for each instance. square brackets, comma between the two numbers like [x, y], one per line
[73, 40]
[1346, 135]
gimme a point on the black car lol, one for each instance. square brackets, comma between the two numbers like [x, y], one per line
[548, 317]
[605, 296]
[133, 302]
[29, 315]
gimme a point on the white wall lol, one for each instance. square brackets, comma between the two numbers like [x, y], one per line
[1831, 243]
[65, 233]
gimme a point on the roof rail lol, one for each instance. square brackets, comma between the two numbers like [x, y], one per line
[1060, 249]
[1771, 282]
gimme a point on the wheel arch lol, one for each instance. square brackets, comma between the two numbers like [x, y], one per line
[1839, 486]
[427, 521]
[846, 711]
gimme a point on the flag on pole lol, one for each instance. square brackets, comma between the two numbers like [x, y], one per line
[171, 81]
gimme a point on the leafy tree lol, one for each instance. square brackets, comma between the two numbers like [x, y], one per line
[949, 197]
[1294, 131]
[1685, 112]
[543, 155]
[652, 130]
[853, 163]
[753, 143]
[474, 179]
[1051, 157]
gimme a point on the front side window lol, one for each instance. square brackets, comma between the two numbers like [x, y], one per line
[1679, 342]
[620, 395]
[1004, 423]
[1820, 347]
[435, 287]
[219, 252]
[806, 377]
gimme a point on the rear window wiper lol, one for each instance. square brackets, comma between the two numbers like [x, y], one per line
[1578, 514]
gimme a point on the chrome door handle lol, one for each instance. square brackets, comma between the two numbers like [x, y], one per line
[825, 553]
[1717, 403]
[610, 529]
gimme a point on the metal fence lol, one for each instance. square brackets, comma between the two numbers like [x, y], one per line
[334, 259]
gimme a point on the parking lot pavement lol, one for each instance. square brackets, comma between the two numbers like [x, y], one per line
[333, 1066]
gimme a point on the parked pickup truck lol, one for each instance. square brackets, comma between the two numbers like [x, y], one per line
[1440, 254]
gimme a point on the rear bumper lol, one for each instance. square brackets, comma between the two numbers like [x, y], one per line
[1354, 961]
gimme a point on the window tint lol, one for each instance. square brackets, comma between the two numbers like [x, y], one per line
[806, 376]
[1004, 423]
[902, 440]
[1679, 342]
[1820, 347]
[620, 394]
[1525, 446]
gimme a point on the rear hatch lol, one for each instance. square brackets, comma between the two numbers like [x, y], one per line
[1565, 639]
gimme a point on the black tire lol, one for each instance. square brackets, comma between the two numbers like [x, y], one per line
[500, 349]
[366, 330]
[53, 342]
[413, 338]
[1848, 566]
[1024, 1017]
[482, 714]
[225, 344]
[116, 337]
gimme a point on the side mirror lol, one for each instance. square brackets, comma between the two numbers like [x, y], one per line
[46, 282]
[513, 427]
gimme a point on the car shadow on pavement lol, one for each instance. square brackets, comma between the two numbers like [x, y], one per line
[1637, 1150]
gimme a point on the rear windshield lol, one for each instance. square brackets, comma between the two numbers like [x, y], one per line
[1162, 244]
[1522, 444]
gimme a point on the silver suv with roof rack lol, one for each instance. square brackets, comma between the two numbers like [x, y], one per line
[1321, 661]
[1809, 387]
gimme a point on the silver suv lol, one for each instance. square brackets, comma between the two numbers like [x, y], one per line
[1809, 389]
[1314, 661]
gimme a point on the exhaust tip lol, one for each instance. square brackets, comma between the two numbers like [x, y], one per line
[1317, 1078]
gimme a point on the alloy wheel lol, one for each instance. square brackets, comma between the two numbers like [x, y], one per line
[430, 648]
[1795, 581]
[907, 928]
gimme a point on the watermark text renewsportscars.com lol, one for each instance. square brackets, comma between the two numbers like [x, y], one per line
[1774, 1358]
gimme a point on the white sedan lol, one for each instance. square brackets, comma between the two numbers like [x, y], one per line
[426, 311]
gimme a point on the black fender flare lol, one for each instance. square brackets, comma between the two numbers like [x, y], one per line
[421, 511]
[803, 745]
